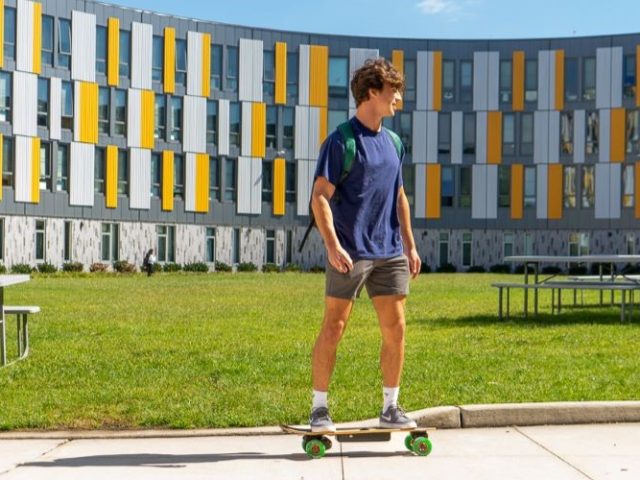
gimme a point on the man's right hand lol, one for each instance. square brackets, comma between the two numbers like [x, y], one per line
[339, 259]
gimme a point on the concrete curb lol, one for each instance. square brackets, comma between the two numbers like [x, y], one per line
[465, 416]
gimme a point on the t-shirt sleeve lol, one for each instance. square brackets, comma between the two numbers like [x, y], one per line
[331, 159]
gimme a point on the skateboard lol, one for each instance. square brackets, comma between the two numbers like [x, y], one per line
[316, 444]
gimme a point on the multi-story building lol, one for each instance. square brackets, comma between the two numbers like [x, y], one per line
[123, 129]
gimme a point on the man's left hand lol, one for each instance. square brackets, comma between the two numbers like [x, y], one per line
[414, 262]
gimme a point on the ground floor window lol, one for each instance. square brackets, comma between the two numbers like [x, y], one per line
[1, 239]
[270, 247]
[40, 240]
[467, 249]
[110, 242]
[210, 241]
[443, 249]
[528, 244]
[630, 243]
[235, 254]
[507, 244]
[67, 241]
[166, 243]
[289, 247]
[578, 244]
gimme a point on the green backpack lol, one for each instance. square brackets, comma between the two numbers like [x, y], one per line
[349, 155]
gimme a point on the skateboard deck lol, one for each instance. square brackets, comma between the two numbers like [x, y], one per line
[317, 443]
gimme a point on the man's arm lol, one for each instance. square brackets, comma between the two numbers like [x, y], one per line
[404, 217]
[322, 192]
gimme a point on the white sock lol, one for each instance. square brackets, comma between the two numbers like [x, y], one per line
[319, 399]
[390, 396]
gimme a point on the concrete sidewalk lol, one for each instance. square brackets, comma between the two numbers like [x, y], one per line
[567, 452]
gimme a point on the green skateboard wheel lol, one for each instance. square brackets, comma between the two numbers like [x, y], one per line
[408, 442]
[315, 448]
[422, 446]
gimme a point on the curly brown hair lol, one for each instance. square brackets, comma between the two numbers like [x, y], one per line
[374, 74]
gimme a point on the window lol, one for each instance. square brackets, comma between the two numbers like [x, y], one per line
[7, 162]
[230, 179]
[578, 244]
[157, 60]
[504, 185]
[68, 237]
[235, 253]
[570, 200]
[10, 32]
[633, 132]
[405, 130]
[566, 133]
[469, 133]
[156, 174]
[288, 254]
[506, 81]
[448, 81]
[176, 119]
[46, 55]
[110, 242]
[103, 110]
[123, 172]
[628, 186]
[526, 134]
[67, 105]
[292, 77]
[507, 244]
[443, 249]
[212, 121]
[5, 96]
[267, 181]
[99, 171]
[214, 178]
[588, 186]
[178, 176]
[335, 118]
[43, 102]
[593, 131]
[288, 127]
[210, 244]
[466, 81]
[269, 73]
[272, 126]
[45, 166]
[508, 134]
[290, 187]
[216, 67]
[529, 244]
[62, 168]
[1, 239]
[630, 243]
[270, 250]
[589, 79]
[410, 81]
[181, 61]
[465, 187]
[467, 257]
[64, 43]
[234, 124]
[529, 187]
[232, 69]
[444, 132]
[160, 117]
[338, 77]
[531, 80]
[571, 79]
[166, 243]
[120, 124]
[40, 240]
[629, 76]
[408, 182]
[101, 50]
[125, 53]
[448, 190]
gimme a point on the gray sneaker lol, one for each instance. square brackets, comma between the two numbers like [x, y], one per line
[395, 417]
[320, 421]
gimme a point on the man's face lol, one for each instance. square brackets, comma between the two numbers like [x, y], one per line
[386, 100]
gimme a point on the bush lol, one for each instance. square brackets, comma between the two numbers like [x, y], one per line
[3, 269]
[317, 269]
[247, 267]
[270, 268]
[520, 269]
[72, 267]
[500, 268]
[21, 268]
[606, 268]
[476, 269]
[98, 267]
[578, 270]
[47, 268]
[167, 267]
[199, 267]
[122, 266]
[292, 267]
[222, 267]
[551, 270]
[425, 268]
[447, 268]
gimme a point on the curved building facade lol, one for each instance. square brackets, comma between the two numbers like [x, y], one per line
[124, 130]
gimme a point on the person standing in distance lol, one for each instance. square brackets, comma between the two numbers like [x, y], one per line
[365, 223]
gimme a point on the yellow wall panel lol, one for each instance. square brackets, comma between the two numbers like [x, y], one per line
[169, 60]
[434, 180]
[88, 112]
[37, 37]
[279, 185]
[147, 119]
[397, 59]
[324, 120]
[559, 92]
[617, 136]
[167, 180]
[202, 182]
[1, 33]
[318, 76]
[517, 191]
[258, 129]
[206, 64]
[517, 103]
[437, 81]
[113, 51]
[281, 73]
[554, 192]
[494, 138]
[35, 170]
[111, 177]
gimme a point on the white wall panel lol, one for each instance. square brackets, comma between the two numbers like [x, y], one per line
[24, 36]
[250, 70]
[480, 75]
[249, 185]
[25, 104]
[554, 137]
[83, 46]
[419, 142]
[615, 190]
[616, 77]
[420, 195]
[541, 137]
[301, 143]
[134, 116]
[544, 75]
[140, 178]
[481, 137]
[604, 147]
[432, 137]
[314, 133]
[357, 57]
[142, 46]
[603, 197]
[479, 192]
[579, 135]
[246, 127]
[430, 81]
[195, 124]
[191, 182]
[223, 127]
[603, 78]
[305, 173]
[55, 109]
[256, 186]
[493, 80]
[303, 74]
[81, 174]
[422, 80]
[542, 179]
[492, 192]
[258, 70]
[23, 168]
[457, 119]
[194, 64]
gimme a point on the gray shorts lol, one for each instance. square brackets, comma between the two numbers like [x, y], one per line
[388, 276]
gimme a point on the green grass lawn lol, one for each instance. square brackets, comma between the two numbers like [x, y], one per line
[219, 350]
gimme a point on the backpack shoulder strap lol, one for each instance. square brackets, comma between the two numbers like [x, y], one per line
[396, 141]
[349, 148]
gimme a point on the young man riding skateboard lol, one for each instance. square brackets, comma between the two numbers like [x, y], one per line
[365, 223]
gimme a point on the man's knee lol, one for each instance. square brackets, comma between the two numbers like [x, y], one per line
[394, 331]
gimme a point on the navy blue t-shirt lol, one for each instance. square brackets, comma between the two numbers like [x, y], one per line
[366, 215]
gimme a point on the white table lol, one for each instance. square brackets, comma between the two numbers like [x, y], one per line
[5, 281]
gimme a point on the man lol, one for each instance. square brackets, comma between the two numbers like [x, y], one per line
[366, 228]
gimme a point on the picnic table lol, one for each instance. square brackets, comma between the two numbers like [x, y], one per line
[5, 281]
